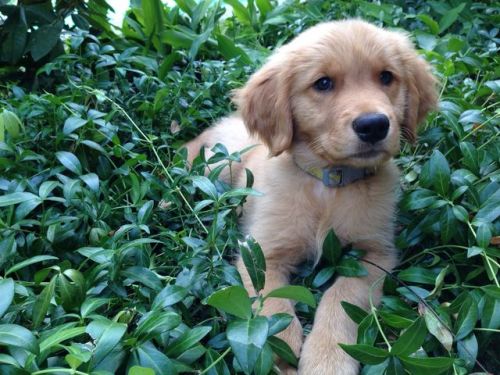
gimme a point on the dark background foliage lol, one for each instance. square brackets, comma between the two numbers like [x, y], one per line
[116, 258]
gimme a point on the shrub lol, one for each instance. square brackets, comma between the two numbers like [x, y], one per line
[116, 258]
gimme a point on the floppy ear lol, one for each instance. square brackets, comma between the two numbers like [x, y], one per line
[265, 106]
[422, 95]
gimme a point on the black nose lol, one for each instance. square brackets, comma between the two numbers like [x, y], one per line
[371, 127]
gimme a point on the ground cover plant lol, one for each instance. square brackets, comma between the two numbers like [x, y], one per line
[115, 258]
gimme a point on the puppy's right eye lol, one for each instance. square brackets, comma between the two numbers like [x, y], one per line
[323, 84]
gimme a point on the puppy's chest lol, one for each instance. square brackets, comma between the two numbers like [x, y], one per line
[354, 213]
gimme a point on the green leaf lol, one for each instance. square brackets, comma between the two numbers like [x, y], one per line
[483, 235]
[147, 355]
[107, 335]
[367, 354]
[46, 188]
[247, 339]
[52, 342]
[492, 290]
[471, 116]
[295, 292]
[152, 11]
[395, 320]
[425, 40]
[14, 44]
[155, 323]
[278, 322]
[97, 254]
[367, 331]
[419, 199]
[72, 123]
[240, 11]
[42, 302]
[458, 192]
[283, 351]
[418, 275]
[471, 157]
[331, 249]
[394, 367]
[44, 39]
[28, 262]
[144, 276]
[491, 312]
[8, 360]
[440, 172]
[144, 212]
[15, 198]
[467, 349]
[433, 25]
[357, 314]
[240, 192]
[93, 145]
[70, 289]
[413, 293]
[460, 213]
[254, 261]
[92, 181]
[438, 329]
[438, 284]
[411, 340]
[139, 370]
[232, 300]
[448, 224]
[229, 50]
[426, 366]
[264, 362]
[7, 293]
[10, 123]
[323, 276]
[70, 161]
[19, 337]
[264, 6]
[177, 38]
[186, 341]
[92, 304]
[169, 296]
[450, 17]
[218, 364]
[205, 185]
[466, 319]
[349, 267]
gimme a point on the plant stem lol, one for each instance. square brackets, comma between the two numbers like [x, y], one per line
[216, 361]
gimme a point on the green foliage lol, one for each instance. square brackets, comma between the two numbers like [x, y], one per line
[30, 32]
[115, 257]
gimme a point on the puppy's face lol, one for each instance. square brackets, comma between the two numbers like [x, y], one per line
[342, 92]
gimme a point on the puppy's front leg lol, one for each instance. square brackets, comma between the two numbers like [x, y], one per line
[321, 353]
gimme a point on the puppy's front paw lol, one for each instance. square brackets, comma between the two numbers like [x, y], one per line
[321, 356]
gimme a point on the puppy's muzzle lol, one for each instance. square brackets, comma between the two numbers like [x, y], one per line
[371, 127]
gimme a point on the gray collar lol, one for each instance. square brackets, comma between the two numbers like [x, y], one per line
[337, 176]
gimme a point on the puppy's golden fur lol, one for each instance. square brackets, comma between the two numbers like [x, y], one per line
[280, 107]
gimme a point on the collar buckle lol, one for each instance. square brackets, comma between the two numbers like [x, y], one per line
[334, 177]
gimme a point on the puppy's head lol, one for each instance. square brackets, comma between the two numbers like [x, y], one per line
[344, 91]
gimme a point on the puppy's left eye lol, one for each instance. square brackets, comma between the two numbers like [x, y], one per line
[324, 84]
[386, 78]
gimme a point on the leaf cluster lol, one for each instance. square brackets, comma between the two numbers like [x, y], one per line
[118, 257]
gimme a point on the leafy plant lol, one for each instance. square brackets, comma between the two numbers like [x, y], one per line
[30, 32]
[116, 257]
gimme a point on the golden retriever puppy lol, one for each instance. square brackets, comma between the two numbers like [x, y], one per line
[329, 110]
